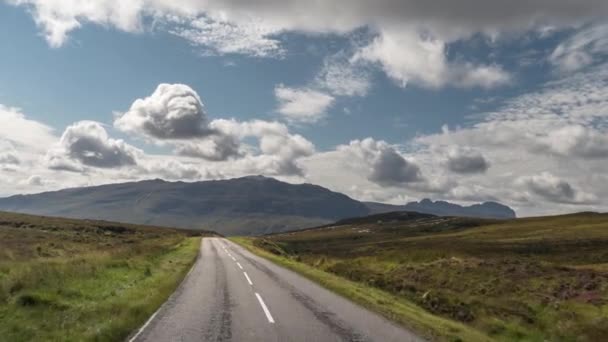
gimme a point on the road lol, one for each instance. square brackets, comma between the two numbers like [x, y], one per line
[233, 295]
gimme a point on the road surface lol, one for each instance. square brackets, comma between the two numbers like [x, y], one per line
[233, 295]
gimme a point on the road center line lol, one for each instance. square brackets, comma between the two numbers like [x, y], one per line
[266, 311]
[248, 279]
[233, 259]
[239, 265]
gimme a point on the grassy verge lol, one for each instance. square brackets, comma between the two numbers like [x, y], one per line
[388, 305]
[76, 281]
[533, 279]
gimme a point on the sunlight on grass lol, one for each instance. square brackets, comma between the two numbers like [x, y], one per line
[81, 284]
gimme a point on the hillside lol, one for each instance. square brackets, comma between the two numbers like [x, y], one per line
[252, 205]
[82, 280]
[247, 206]
[509, 279]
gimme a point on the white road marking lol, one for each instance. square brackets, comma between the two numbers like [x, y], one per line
[144, 326]
[266, 311]
[233, 259]
[248, 279]
[239, 265]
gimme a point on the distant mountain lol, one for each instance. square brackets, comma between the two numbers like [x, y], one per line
[442, 208]
[247, 206]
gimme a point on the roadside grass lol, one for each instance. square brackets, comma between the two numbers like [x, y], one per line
[533, 279]
[391, 306]
[75, 280]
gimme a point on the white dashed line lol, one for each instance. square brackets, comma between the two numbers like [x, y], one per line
[239, 265]
[266, 311]
[233, 259]
[248, 280]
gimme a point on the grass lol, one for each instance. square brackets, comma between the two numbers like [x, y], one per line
[389, 305]
[533, 279]
[77, 280]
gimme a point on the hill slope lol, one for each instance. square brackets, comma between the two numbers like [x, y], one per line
[247, 206]
[253, 205]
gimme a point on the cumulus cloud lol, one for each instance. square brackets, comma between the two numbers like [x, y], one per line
[173, 111]
[554, 189]
[391, 169]
[174, 114]
[577, 141]
[87, 143]
[384, 165]
[278, 150]
[408, 56]
[217, 147]
[172, 169]
[8, 158]
[302, 104]
[466, 161]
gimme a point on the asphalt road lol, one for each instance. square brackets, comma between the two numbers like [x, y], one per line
[232, 295]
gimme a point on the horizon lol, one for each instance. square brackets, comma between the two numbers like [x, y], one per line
[433, 200]
[388, 104]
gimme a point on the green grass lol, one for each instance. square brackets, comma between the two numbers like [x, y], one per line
[391, 306]
[532, 279]
[72, 280]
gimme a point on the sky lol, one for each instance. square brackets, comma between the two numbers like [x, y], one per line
[388, 100]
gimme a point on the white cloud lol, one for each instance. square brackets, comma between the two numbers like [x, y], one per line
[278, 150]
[409, 56]
[173, 111]
[302, 104]
[410, 47]
[560, 128]
[33, 180]
[391, 169]
[59, 17]
[87, 143]
[582, 49]
[23, 133]
[554, 189]
[217, 147]
[577, 141]
[466, 161]
[342, 77]
[219, 36]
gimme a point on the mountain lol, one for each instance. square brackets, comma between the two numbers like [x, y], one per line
[442, 208]
[251, 205]
[247, 206]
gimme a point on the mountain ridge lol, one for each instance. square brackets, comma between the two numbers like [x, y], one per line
[488, 209]
[251, 205]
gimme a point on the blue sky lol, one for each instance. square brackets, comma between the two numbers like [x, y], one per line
[483, 104]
